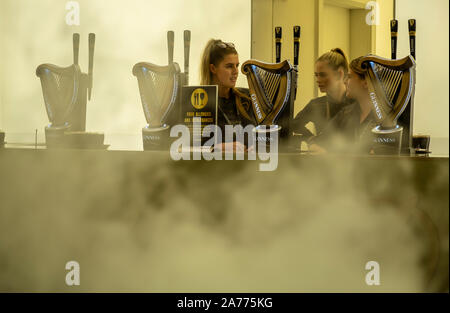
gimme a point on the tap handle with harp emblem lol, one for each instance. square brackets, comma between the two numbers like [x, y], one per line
[297, 30]
[278, 36]
[412, 37]
[394, 33]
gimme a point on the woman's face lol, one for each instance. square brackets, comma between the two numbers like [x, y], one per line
[326, 78]
[356, 86]
[225, 74]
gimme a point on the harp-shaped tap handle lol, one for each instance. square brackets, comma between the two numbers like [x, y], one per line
[394, 33]
[278, 36]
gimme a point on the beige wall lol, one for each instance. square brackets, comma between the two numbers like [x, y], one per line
[432, 88]
[127, 32]
[337, 28]
[383, 30]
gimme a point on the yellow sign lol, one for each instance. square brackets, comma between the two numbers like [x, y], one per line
[199, 98]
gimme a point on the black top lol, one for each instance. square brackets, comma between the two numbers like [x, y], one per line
[235, 110]
[345, 133]
[319, 111]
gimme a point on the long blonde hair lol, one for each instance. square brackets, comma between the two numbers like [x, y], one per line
[336, 59]
[214, 52]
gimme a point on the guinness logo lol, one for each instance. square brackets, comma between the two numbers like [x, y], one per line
[384, 140]
[256, 106]
[373, 97]
[152, 138]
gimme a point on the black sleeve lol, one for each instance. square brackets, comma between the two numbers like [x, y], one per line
[323, 138]
[303, 117]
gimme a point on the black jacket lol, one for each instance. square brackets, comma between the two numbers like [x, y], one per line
[236, 110]
[344, 133]
[319, 111]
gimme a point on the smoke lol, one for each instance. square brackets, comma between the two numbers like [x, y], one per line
[142, 222]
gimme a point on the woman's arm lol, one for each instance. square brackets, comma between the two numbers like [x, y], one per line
[314, 148]
[298, 124]
[234, 146]
[318, 143]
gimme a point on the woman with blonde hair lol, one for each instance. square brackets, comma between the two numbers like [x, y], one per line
[220, 66]
[330, 71]
[353, 124]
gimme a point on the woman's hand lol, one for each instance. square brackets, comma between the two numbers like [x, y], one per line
[316, 149]
[231, 147]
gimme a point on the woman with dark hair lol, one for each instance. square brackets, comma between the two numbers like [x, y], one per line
[220, 66]
[351, 128]
[331, 71]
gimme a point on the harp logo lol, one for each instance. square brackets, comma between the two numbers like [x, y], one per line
[373, 97]
[256, 106]
[199, 98]
[278, 34]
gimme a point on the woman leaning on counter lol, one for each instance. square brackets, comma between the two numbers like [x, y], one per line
[220, 66]
[330, 71]
[350, 129]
